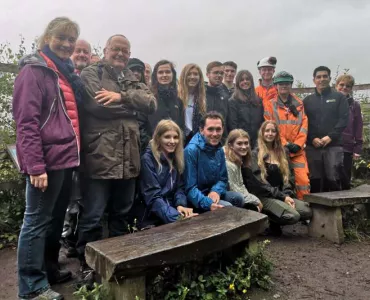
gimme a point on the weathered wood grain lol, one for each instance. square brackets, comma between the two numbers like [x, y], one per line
[179, 242]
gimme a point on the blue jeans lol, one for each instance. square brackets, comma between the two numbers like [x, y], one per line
[115, 194]
[229, 199]
[38, 245]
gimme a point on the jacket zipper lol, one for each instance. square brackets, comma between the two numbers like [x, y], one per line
[50, 112]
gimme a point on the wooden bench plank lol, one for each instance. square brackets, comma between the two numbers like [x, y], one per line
[357, 195]
[179, 242]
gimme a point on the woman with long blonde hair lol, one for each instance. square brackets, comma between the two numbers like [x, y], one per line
[238, 154]
[161, 183]
[270, 178]
[193, 96]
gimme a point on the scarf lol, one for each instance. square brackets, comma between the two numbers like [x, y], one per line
[167, 94]
[67, 69]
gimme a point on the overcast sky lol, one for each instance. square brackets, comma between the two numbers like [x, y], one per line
[302, 34]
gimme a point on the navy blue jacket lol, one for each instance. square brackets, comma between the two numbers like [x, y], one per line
[162, 191]
[205, 172]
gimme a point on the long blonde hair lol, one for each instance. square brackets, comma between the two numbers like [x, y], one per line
[230, 154]
[155, 144]
[200, 90]
[278, 150]
[55, 26]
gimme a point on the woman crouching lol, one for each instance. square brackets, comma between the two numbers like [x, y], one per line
[161, 182]
[271, 179]
[238, 154]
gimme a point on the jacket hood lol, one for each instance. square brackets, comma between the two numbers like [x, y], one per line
[200, 141]
[32, 59]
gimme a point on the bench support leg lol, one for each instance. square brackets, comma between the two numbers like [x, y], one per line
[132, 288]
[326, 222]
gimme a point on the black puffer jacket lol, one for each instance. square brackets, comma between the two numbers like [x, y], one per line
[275, 188]
[246, 115]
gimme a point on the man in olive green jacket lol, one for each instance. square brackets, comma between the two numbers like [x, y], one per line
[110, 142]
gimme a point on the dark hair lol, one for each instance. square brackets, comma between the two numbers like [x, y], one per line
[321, 68]
[211, 115]
[238, 94]
[231, 64]
[213, 64]
[155, 83]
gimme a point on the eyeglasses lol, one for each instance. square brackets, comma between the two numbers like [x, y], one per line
[118, 50]
[219, 73]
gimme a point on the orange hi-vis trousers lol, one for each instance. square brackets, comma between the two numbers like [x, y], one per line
[301, 174]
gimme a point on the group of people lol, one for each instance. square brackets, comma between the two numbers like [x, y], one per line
[160, 148]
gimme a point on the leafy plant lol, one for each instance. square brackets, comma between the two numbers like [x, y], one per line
[98, 292]
[215, 278]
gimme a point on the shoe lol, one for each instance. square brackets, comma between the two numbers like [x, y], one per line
[86, 273]
[59, 276]
[49, 294]
[274, 230]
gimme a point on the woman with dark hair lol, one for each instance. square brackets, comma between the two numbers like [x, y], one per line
[245, 107]
[164, 88]
[161, 183]
[192, 93]
[238, 154]
[270, 177]
[48, 143]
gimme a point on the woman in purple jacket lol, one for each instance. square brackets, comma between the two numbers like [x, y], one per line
[352, 135]
[47, 149]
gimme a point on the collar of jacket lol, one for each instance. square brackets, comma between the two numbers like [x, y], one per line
[350, 100]
[214, 89]
[127, 73]
[325, 92]
[201, 143]
[32, 59]
[292, 100]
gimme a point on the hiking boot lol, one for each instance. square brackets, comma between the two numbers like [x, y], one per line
[59, 276]
[274, 230]
[49, 294]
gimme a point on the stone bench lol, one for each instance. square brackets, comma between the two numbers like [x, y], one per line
[122, 261]
[327, 214]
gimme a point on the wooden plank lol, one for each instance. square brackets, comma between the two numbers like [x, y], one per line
[358, 195]
[9, 68]
[179, 242]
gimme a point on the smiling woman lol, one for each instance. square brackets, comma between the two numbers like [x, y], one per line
[48, 138]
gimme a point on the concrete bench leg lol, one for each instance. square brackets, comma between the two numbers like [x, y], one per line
[326, 222]
[132, 288]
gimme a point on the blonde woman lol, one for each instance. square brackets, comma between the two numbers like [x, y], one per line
[238, 154]
[192, 93]
[45, 111]
[270, 178]
[161, 183]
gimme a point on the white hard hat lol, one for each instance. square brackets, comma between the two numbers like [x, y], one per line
[267, 62]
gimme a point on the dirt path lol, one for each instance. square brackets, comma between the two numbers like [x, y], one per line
[305, 268]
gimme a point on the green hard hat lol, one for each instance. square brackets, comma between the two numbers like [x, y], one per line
[283, 77]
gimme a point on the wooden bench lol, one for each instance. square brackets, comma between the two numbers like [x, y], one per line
[327, 214]
[123, 261]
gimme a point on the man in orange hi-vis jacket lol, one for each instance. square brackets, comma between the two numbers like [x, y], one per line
[266, 90]
[287, 111]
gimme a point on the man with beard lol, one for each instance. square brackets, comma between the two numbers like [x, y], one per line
[216, 95]
[266, 90]
[230, 69]
[327, 112]
[81, 57]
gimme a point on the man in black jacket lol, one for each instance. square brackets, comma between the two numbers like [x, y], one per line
[216, 94]
[327, 112]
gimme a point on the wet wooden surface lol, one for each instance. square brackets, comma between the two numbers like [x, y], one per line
[179, 242]
[358, 195]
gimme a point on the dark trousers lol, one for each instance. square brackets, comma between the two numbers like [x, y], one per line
[325, 166]
[38, 245]
[347, 170]
[117, 195]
